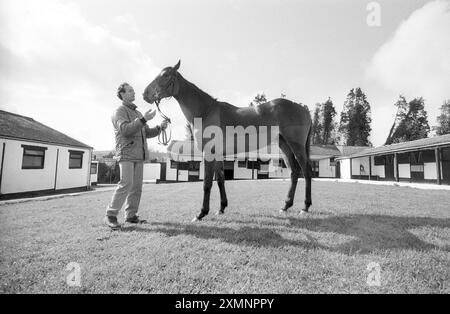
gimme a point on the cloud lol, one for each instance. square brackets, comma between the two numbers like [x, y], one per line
[416, 60]
[63, 70]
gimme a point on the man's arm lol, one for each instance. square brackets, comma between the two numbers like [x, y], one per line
[152, 132]
[125, 127]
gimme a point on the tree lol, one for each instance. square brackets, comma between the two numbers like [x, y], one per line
[258, 100]
[316, 131]
[443, 119]
[323, 123]
[402, 111]
[354, 127]
[328, 114]
[412, 121]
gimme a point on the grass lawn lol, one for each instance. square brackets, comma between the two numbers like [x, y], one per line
[251, 249]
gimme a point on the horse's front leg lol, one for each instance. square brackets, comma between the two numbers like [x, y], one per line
[220, 177]
[207, 184]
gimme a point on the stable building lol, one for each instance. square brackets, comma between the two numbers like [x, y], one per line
[184, 163]
[36, 159]
[422, 161]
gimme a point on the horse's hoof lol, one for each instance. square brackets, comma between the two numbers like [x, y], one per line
[220, 212]
[304, 212]
[283, 211]
[195, 219]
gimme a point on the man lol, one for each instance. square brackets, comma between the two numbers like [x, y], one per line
[132, 131]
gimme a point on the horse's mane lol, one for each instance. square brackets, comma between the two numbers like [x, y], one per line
[202, 94]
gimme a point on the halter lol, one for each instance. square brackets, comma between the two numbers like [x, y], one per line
[162, 137]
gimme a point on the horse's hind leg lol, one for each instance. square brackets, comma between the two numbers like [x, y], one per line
[220, 177]
[295, 173]
[301, 155]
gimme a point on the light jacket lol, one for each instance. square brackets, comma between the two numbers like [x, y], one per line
[131, 133]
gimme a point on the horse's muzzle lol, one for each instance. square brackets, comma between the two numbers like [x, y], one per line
[147, 99]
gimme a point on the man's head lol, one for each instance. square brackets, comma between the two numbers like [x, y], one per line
[125, 92]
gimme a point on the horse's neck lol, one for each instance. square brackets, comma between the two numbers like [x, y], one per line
[193, 101]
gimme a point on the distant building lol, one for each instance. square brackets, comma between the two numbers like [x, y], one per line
[36, 159]
[425, 160]
[187, 164]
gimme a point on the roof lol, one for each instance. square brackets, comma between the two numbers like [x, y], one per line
[350, 150]
[405, 146]
[324, 151]
[19, 127]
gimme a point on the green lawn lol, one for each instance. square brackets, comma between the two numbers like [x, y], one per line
[251, 249]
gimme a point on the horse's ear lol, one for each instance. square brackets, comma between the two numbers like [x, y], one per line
[177, 66]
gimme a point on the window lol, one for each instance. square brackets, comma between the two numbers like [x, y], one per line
[194, 165]
[446, 154]
[332, 162]
[253, 164]
[416, 158]
[403, 158]
[75, 159]
[242, 163]
[183, 166]
[173, 164]
[417, 168]
[33, 157]
[428, 156]
[94, 168]
[379, 160]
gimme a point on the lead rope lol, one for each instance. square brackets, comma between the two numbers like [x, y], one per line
[163, 139]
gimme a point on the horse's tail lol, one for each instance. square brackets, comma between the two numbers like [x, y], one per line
[308, 142]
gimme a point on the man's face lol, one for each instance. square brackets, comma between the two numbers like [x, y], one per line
[128, 95]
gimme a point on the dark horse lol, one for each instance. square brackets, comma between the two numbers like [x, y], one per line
[293, 122]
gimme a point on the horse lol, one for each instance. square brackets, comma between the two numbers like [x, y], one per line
[293, 121]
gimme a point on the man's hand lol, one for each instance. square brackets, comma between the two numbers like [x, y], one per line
[150, 114]
[163, 125]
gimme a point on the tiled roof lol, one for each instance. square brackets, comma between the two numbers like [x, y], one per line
[324, 150]
[412, 145]
[23, 128]
[350, 150]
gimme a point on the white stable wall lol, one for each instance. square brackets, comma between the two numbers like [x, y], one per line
[18, 180]
[326, 170]
[356, 164]
[345, 168]
[404, 171]
[378, 171]
[71, 178]
[243, 173]
[152, 171]
[430, 172]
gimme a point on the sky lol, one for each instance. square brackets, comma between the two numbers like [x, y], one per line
[61, 61]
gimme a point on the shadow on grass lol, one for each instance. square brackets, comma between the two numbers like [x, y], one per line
[248, 236]
[369, 233]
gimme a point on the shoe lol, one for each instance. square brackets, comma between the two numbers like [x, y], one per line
[135, 220]
[112, 222]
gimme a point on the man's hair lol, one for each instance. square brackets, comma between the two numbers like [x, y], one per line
[121, 89]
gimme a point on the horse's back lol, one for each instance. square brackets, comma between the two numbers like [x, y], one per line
[287, 112]
[281, 112]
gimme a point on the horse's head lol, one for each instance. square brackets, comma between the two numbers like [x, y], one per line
[164, 85]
